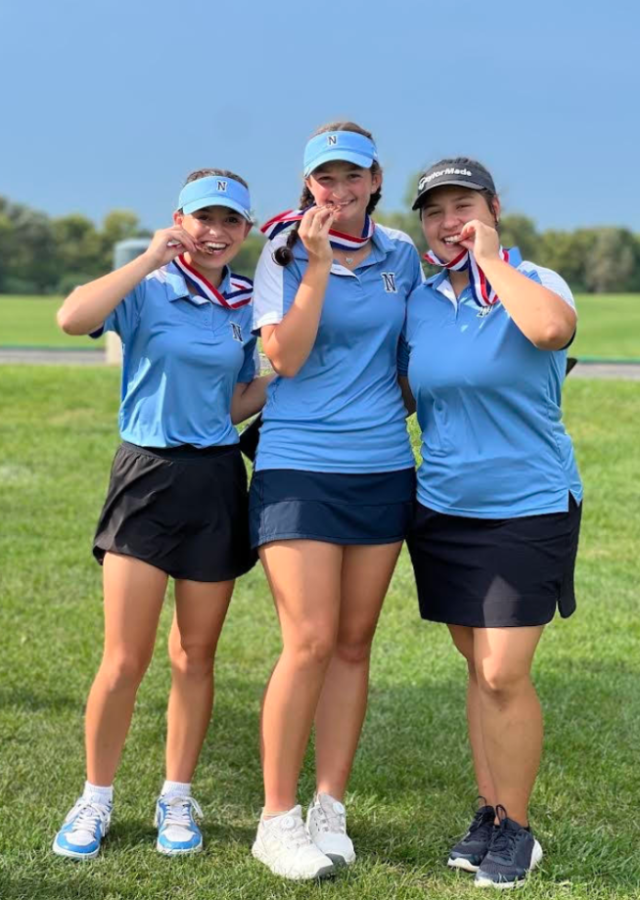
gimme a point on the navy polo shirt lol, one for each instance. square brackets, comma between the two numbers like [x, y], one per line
[182, 358]
[488, 405]
[343, 411]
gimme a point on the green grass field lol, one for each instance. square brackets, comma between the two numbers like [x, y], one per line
[412, 789]
[609, 325]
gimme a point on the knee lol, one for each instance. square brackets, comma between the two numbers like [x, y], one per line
[313, 650]
[191, 660]
[354, 651]
[123, 671]
[501, 685]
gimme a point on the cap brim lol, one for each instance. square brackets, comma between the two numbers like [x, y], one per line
[215, 200]
[472, 185]
[335, 155]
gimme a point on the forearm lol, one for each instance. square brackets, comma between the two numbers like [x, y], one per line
[407, 396]
[88, 306]
[543, 317]
[288, 344]
[248, 399]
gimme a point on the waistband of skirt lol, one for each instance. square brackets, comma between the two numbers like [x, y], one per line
[183, 451]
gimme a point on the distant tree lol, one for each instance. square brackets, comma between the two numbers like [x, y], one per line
[567, 253]
[79, 250]
[520, 231]
[612, 264]
[247, 259]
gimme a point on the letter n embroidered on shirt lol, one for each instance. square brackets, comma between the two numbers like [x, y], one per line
[389, 281]
[236, 331]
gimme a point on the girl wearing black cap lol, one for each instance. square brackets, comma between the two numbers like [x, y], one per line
[495, 534]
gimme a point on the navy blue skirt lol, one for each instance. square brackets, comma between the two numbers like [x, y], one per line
[287, 505]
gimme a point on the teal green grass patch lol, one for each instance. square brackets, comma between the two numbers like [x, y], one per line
[31, 322]
[412, 791]
[608, 326]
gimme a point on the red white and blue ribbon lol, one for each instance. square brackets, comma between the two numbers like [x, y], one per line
[241, 288]
[337, 239]
[482, 292]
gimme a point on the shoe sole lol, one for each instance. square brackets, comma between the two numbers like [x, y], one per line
[341, 861]
[321, 874]
[74, 854]
[185, 851]
[464, 864]
[536, 859]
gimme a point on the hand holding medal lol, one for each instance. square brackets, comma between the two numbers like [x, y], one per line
[314, 233]
[480, 239]
[167, 243]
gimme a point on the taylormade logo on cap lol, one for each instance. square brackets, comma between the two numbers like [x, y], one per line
[427, 179]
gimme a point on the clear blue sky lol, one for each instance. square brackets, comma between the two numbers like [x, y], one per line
[107, 103]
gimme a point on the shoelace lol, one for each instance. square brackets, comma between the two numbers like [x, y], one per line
[482, 821]
[331, 819]
[179, 811]
[85, 815]
[504, 837]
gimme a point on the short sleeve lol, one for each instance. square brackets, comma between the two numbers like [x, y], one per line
[550, 280]
[251, 365]
[125, 317]
[274, 287]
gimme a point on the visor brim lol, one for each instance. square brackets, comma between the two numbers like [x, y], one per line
[472, 185]
[216, 200]
[350, 156]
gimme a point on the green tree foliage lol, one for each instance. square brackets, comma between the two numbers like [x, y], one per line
[39, 254]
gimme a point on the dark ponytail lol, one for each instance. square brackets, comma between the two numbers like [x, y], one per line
[283, 255]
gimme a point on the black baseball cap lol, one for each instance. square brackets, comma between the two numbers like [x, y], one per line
[465, 175]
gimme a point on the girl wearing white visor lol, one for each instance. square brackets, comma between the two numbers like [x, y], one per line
[177, 500]
[334, 480]
[495, 535]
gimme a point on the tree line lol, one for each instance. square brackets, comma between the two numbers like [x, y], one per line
[40, 254]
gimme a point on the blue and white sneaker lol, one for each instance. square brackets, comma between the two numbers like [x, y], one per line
[83, 830]
[178, 832]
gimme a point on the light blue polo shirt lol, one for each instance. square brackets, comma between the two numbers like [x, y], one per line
[182, 358]
[343, 411]
[488, 405]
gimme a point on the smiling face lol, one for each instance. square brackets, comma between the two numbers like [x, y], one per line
[347, 188]
[446, 210]
[219, 233]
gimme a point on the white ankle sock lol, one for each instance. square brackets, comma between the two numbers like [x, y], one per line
[98, 793]
[176, 789]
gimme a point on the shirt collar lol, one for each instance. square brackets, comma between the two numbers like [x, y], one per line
[177, 288]
[382, 245]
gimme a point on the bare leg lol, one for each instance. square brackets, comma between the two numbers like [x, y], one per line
[366, 573]
[305, 581]
[200, 612]
[133, 595]
[511, 714]
[463, 639]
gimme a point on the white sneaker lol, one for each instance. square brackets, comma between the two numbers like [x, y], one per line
[327, 824]
[283, 844]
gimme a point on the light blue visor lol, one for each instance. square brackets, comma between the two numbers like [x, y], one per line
[215, 190]
[347, 146]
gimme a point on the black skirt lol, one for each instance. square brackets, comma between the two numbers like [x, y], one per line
[339, 508]
[181, 509]
[493, 573]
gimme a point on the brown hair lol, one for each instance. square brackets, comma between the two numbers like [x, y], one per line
[283, 255]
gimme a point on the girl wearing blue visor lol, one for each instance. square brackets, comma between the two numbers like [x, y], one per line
[333, 487]
[177, 502]
[495, 535]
